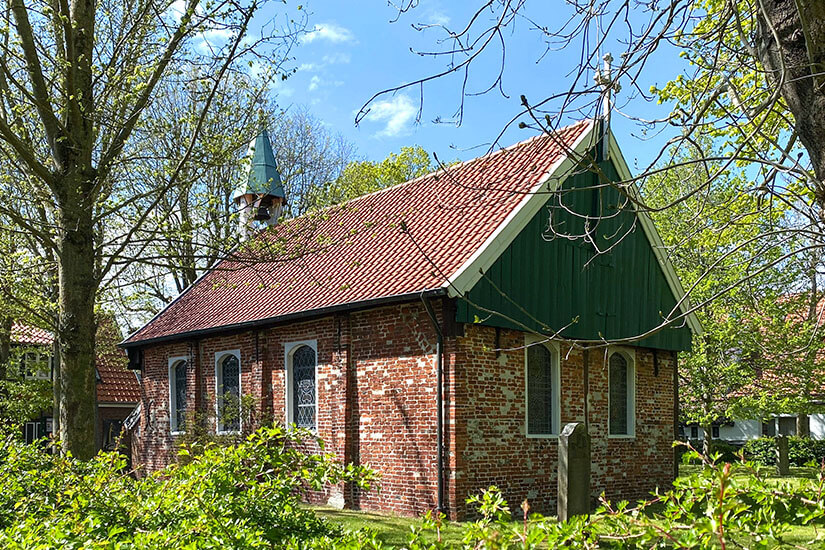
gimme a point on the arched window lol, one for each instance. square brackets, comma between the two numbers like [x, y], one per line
[621, 394]
[177, 394]
[302, 400]
[542, 390]
[228, 382]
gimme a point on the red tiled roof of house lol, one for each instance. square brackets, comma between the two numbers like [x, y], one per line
[30, 335]
[403, 240]
[117, 384]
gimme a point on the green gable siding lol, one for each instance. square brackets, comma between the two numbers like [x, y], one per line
[545, 279]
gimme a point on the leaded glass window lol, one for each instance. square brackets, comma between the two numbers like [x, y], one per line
[179, 394]
[303, 387]
[230, 393]
[540, 400]
[619, 394]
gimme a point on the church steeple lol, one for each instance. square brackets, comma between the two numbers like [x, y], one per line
[261, 198]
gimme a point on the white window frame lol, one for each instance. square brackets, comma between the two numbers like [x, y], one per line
[35, 428]
[219, 357]
[630, 356]
[555, 367]
[174, 429]
[289, 350]
[40, 375]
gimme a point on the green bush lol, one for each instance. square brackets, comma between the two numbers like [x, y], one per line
[726, 452]
[761, 451]
[246, 497]
[238, 497]
[801, 451]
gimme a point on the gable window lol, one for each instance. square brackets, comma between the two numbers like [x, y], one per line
[177, 394]
[228, 390]
[621, 394]
[302, 395]
[542, 388]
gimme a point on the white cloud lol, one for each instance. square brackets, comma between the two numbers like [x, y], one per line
[212, 40]
[397, 113]
[330, 32]
[176, 10]
[329, 59]
[314, 82]
[437, 17]
[338, 58]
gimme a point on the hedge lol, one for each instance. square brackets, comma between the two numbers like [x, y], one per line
[801, 451]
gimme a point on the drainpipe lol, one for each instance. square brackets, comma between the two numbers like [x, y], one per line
[439, 399]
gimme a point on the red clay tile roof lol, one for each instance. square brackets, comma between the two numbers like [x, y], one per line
[30, 335]
[402, 240]
[117, 383]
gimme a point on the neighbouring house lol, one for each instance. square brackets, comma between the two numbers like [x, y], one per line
[772, 376]
[118, 388]
[741, 431]
[441, 331]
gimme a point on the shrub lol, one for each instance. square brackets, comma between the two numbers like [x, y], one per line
[726, 452]
[761, 451]
[238, 497]
[801, 451]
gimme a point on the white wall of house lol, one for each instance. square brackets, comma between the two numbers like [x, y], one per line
[742, 430]
[818, 426]
[745, 430]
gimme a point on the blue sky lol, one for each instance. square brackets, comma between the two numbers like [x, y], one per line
[354, 51]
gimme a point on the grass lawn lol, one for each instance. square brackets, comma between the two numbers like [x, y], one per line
[393, 530]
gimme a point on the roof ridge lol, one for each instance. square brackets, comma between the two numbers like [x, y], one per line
[442, 169]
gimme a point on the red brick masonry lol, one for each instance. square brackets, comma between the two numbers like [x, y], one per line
[377, 406]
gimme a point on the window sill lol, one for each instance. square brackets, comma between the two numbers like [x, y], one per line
[542, 436]
[621, 436]
[177, 433]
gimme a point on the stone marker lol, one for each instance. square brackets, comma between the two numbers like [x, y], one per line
[782, 464]
[574, 471]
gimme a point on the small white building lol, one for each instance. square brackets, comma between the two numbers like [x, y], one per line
[740, 431]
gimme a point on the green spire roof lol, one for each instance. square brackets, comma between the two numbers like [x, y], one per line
[264, 178]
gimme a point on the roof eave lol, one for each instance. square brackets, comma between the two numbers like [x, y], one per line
[290, 317]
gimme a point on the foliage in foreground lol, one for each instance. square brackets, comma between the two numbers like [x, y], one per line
[245, 496]
[712, 509]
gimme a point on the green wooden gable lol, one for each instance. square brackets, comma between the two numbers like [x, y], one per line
[544, 279]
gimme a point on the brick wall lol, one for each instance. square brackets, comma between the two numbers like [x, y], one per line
[377, 406]
[490, 440]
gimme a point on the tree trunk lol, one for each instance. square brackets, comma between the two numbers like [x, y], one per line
[76, 330]
[803, 425]
[797, 62]
[707, 438]
[5, 345]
